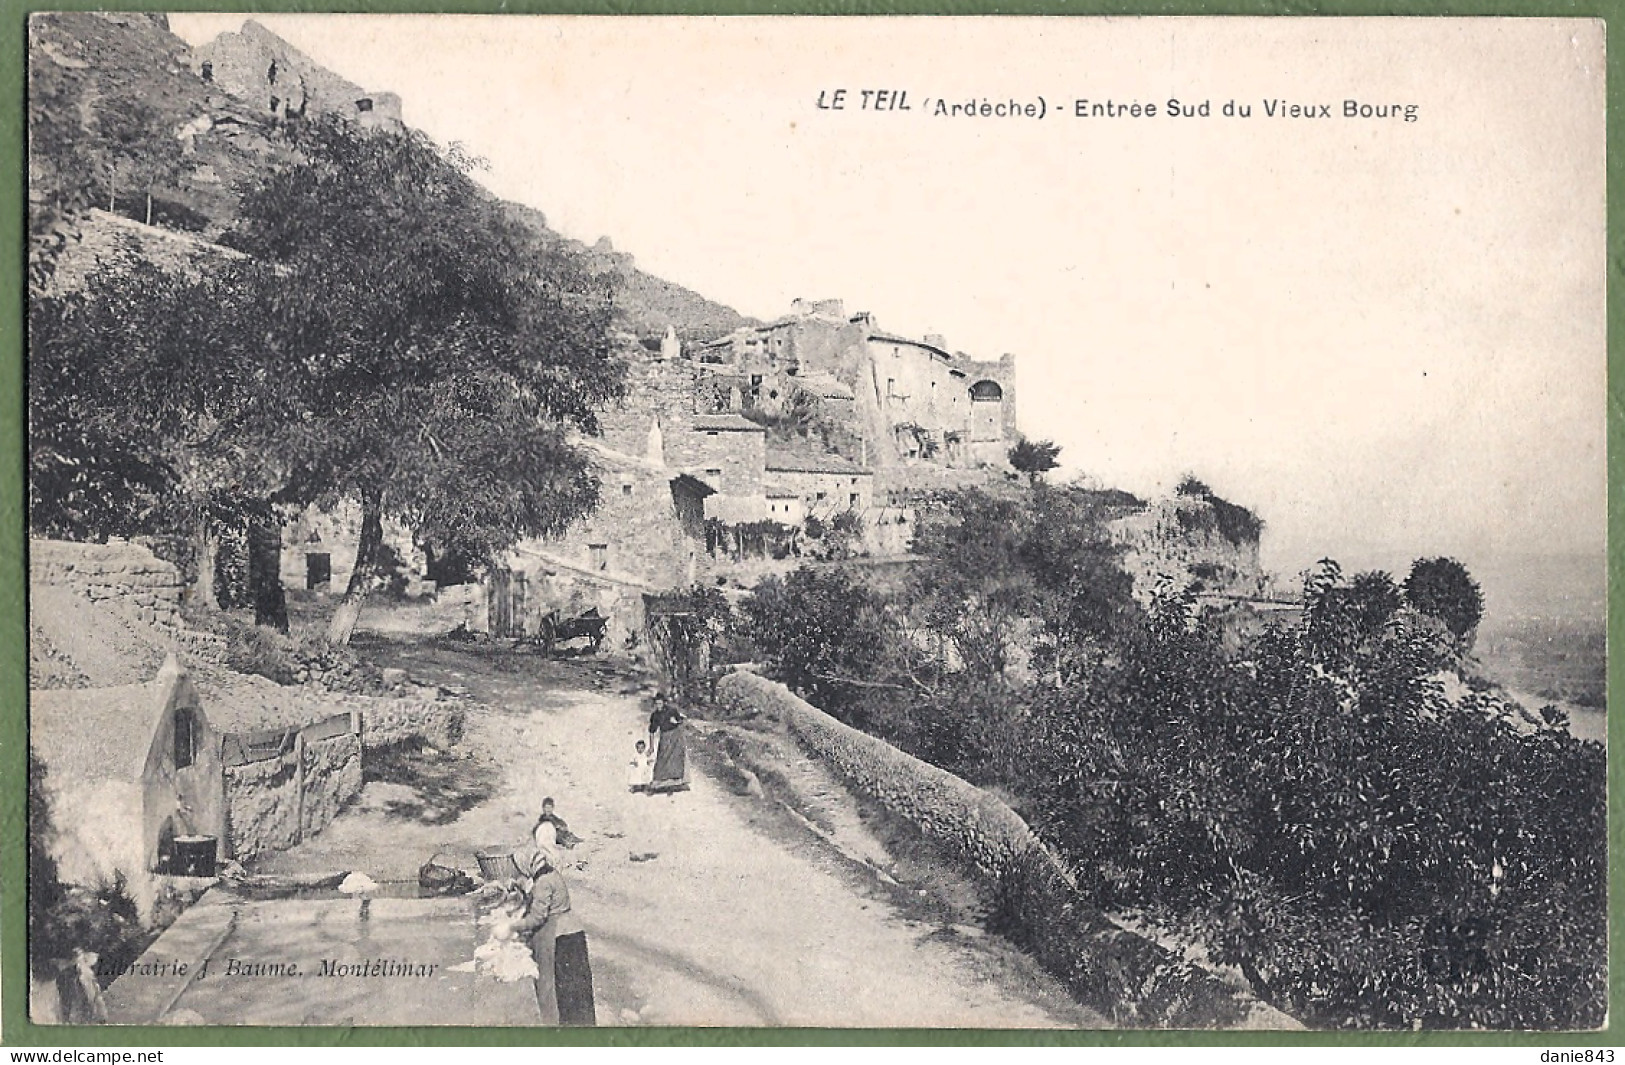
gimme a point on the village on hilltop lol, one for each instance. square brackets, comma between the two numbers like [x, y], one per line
[774, 656]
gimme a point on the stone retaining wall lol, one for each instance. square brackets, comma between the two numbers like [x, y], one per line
[261, 807]
[120, 573]
[1132, 980]
[385, 722]
[270, 806]
[332, 779]
[985, 831]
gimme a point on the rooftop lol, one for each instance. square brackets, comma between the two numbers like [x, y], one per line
[825, 386]
[89, 734]
[727, 423]
[796, 460]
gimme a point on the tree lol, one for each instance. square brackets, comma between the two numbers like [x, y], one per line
[136, 159]
[829, 636]
[149, 400]
[1313, 809]
[1442, 588]
[1317, 813]
[972, 588]
[1193, 486]
[437, 350]
[1034, 457]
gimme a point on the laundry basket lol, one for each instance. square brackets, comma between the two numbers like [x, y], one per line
[498, 863]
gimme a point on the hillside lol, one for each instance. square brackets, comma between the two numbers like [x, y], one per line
[121, 115]
[115, 111]
[648, 304]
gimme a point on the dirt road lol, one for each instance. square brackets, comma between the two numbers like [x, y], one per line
[731, 922]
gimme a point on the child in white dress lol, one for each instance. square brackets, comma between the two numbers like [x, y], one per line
[641, 769]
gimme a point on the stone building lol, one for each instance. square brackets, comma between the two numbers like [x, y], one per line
[729, 453]
[821, 485]
[898, 399]
[319, 548]
[646, 536]
[129, 770]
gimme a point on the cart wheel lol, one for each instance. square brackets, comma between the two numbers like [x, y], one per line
[546, 635]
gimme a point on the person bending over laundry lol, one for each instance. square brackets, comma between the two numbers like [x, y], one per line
[546, 903]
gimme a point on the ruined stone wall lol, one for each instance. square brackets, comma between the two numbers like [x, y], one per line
[120, 574]
[262, 69]
[1002, 428]
[1132, 980]
[819, 345]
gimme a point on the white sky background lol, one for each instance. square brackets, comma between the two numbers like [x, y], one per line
[1385, 337]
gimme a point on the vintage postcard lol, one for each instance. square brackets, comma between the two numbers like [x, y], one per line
[1010, 523]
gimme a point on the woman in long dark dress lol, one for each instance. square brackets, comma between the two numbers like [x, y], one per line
[671, 758]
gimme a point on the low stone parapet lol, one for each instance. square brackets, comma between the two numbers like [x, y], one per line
[1109, 968]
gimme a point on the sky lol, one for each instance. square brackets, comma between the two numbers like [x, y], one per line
[1384, 336]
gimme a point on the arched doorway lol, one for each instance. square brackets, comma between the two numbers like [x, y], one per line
[986, 411]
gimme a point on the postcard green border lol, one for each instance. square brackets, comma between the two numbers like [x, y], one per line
[15, 1030]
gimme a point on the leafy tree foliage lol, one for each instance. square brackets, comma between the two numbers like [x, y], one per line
[1193, 486]
[1034, 457]
[438, 350]
[825, 630]
[1369, 853]
[148, 406]
[1038, 570]
[1442, 588]
[684, 630]
[393, 336]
